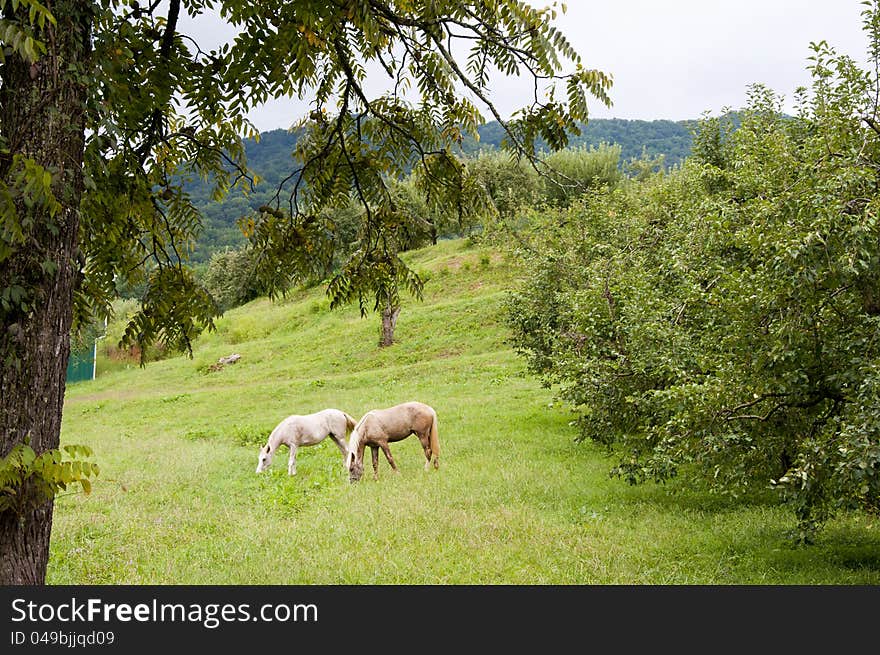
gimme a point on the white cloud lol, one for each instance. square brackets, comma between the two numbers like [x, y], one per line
[672, 60]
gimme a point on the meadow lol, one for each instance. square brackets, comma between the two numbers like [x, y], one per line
[516, 500]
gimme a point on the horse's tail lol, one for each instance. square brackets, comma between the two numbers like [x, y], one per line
[350, 422]
[435, 442]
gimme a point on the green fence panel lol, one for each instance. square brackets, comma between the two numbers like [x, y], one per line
[81, 365]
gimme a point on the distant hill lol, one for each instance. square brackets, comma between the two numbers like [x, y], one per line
[672, 139]
[270, 158]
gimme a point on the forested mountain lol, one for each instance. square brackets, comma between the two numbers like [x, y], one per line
[270, 158]
[672, 139]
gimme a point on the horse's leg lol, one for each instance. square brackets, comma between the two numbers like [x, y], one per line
[387, 451]
[375, 452]
[425, 440]
[291, 462]
[342, 446]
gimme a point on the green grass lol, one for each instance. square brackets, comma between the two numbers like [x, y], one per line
[516, 500]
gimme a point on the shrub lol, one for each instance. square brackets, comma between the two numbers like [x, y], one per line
[512, 183]
[230, 278]
[574, 171]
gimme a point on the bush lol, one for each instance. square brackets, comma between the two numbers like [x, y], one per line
[230, 279]
[574, 171]
[512, 183]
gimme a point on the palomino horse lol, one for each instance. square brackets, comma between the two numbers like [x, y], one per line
[307, 430]
[379, 427]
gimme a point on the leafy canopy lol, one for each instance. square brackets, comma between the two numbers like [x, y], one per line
[161, 111]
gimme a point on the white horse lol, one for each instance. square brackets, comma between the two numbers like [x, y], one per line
[306, 430]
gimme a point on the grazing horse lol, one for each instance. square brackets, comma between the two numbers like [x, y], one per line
[307, 430]
[379, 427]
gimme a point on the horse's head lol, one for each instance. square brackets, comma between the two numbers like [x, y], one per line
[355, 467]
[265, 458]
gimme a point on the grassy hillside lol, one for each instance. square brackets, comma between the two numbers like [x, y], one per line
[515, 500]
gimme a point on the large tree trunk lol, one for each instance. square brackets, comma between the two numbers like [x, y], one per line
[42, 117]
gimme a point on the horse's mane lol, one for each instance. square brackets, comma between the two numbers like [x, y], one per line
[357, 433]
[275, 433]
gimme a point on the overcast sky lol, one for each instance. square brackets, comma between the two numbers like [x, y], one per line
[671, 59]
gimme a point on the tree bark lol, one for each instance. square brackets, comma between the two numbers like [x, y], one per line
[389, 322]
[42, 117]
